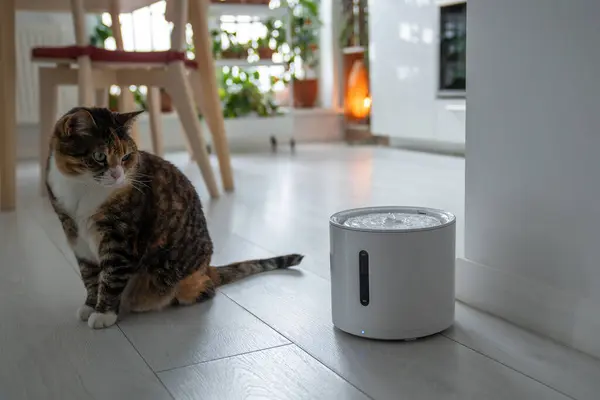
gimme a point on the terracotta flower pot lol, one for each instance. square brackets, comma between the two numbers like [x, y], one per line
[265, 53]
[305, 92]
[229, 55]
[166, 105]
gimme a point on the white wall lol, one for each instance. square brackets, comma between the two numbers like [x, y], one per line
[404, 43]
[533, 166]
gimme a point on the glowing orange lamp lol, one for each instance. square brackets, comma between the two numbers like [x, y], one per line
[358, 99]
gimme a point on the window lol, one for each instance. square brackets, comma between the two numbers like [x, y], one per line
[146, 29]
[453, 35]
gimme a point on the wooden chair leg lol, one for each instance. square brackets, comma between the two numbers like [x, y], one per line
[195, 85]
[156, 134]
[85, 83]
[127, 104]
[101, 98]
[8, 134]
[48, 109]
[210, 95]
[177, 86]
[194, 78]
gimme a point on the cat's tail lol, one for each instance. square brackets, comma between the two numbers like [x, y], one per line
[239, 270]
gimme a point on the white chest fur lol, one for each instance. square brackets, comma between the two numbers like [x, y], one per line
[80, 199]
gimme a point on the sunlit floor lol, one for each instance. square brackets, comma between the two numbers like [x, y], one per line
[269, 336]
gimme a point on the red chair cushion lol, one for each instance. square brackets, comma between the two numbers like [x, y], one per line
[191, 64]
[155, 57]
[103, 55]
[66, 52]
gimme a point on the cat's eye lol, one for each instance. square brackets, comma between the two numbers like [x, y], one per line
[99, 157]
[126, 157]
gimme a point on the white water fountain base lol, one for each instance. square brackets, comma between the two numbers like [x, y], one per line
[392, 271]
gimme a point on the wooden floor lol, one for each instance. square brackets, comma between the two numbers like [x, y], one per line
[270, 336]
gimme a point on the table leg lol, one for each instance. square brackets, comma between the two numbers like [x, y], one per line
[8, 79]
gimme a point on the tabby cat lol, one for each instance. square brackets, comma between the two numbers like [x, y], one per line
[133, 221]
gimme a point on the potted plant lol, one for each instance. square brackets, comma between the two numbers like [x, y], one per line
[303, 55]
[236, 50]
[261, 47]
[304, 40]
[241, 95]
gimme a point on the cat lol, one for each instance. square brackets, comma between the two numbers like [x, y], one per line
[133, 220]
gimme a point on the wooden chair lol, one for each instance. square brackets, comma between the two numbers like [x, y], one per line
[97, 69]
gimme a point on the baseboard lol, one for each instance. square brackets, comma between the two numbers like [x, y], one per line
[430, 146]
[248, 134]
[565, 317]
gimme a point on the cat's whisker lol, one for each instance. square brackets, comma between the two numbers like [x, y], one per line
[137, 188]
[139, 182]
[145, 183]
[130, 179]
[140, 174]
[135, 177]
[136, 173]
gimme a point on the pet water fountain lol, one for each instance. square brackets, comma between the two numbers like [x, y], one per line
[392, 271]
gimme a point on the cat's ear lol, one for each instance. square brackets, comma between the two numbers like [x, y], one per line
[126, 119]
[78, 121]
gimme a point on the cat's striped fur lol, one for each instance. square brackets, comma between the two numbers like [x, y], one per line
[133, 220]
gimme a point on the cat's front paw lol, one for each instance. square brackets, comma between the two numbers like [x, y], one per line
[101, 320]
[84, 312]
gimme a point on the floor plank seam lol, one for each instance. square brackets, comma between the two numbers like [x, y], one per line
[146, 362]
[508, 366]
[224, 358]
[304, 350]
[253, 244]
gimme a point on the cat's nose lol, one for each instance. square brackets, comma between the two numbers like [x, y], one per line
[116, 173]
